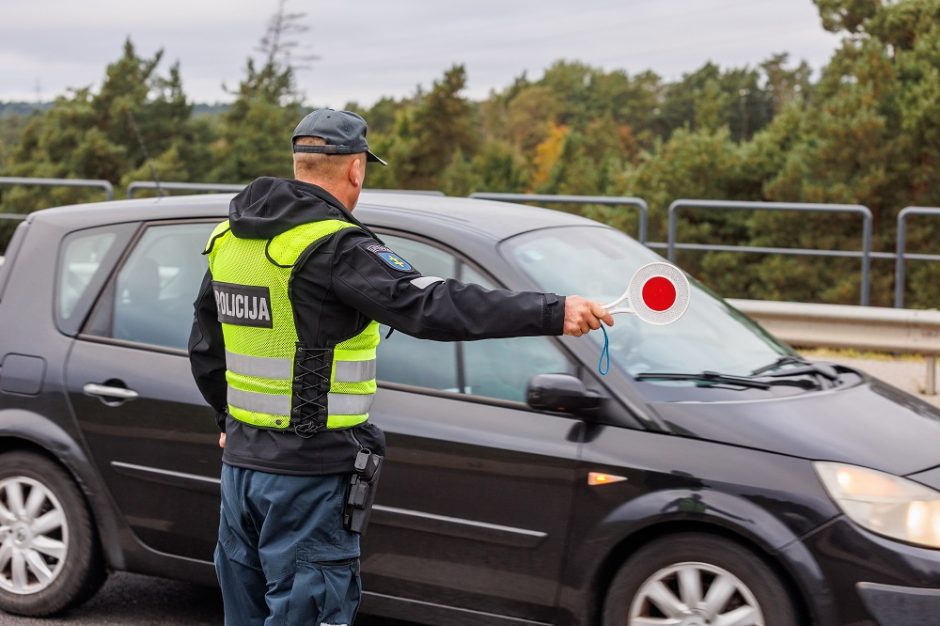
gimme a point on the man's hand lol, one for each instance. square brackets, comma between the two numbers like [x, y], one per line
[583, 315]
[222, 440]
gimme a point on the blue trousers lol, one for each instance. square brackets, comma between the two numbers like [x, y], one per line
[283, 556]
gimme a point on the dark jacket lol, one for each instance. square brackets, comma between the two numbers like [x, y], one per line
[338, 286]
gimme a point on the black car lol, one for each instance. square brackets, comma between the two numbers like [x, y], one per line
[711, 478]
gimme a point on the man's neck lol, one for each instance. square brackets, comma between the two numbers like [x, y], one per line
[332, 188]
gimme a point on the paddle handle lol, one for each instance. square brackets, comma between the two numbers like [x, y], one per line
[614, 307]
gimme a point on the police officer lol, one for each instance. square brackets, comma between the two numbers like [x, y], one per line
[283, 348]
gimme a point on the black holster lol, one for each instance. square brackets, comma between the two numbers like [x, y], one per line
[360, 492]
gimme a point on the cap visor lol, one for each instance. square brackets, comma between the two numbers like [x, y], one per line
[373, 158]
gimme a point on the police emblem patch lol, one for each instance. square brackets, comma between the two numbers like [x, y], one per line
[389, 258]
[395, 261]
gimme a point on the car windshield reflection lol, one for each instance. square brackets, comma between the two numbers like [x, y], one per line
[597, 262]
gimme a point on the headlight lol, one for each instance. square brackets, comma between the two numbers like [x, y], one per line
[885, 504]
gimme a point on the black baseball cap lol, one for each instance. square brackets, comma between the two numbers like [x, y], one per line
[343, 131]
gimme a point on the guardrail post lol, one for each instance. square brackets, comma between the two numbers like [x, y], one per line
[899, 261]
[671, 235]
[899, 264]
[639, 203]
[866, 257]
[930, 388]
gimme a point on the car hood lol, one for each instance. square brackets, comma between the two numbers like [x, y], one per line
[870, 424]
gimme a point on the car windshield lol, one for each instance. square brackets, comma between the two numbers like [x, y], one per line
[598, 262]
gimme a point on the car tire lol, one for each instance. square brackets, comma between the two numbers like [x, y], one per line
[663, 578]
[50, 558]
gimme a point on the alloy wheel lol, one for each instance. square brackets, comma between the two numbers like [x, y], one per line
[33, 536]
[694, 594]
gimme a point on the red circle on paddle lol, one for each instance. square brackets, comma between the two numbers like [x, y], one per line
[659, 293]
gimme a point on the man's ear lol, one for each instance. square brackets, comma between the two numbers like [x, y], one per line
[356, 172]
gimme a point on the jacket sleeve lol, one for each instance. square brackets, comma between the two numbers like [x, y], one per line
[372, 279]
[207, 351]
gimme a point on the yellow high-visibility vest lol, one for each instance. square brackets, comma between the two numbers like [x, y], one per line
[273, 380]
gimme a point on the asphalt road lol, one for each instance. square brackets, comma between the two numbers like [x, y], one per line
[133, 600]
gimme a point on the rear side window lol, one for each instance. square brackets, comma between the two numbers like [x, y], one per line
[85, 259]
[151, 299]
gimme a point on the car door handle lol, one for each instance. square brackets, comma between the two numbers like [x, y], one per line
[108, 391]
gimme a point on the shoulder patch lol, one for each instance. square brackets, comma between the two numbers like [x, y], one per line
[390, 258]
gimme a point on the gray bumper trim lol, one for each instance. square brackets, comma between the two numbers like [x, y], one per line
[891, 605]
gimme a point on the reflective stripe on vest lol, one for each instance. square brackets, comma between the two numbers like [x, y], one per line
[262, 352]
[353, 371]
[269, 367]
[260, 366]
[280, 405]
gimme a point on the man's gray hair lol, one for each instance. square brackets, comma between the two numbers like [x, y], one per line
[318, 165]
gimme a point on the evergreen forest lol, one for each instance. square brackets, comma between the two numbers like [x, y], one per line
[865, 129]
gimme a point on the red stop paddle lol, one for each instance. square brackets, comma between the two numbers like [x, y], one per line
[658, 294]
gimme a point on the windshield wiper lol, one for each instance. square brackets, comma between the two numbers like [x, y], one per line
[823, 369]
[826, 370]
[709, 377]
[789, 359]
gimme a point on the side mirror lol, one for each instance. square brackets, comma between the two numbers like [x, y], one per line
[560, 392]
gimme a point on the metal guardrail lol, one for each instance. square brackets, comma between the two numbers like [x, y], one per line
[159, 187]
[223, 187]
[420, 192]
[60, 182]
[639, 203]
[878, 329]
[865, 212]
[901, 243]
[866, 254]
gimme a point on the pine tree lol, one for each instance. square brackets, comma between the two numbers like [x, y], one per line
[108, 135]
[254, 134]
[442, 123]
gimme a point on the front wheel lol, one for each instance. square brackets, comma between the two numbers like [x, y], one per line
[695, 579]
[49, 557]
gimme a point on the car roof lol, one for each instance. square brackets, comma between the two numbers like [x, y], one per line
[485, 218]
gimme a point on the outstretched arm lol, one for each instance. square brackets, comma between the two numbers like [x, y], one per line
[366, 277]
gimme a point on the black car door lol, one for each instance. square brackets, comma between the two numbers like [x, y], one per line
[146, 424]
[475, 498]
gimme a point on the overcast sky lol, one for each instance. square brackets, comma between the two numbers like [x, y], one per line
[371, 48]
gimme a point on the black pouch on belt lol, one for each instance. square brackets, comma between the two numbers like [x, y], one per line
[360, 493]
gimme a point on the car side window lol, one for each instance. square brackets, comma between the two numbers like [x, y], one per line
[151, 300]
[408, 361]
[494, 368]
[85, 260]
[82, 255]
[502, 368]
